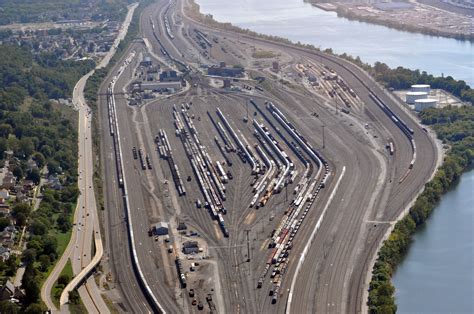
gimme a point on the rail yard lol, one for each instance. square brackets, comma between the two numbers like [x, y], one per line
[241, 184]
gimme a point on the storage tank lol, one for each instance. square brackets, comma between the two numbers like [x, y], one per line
[412, 96]
[421, 88]
[421, 104]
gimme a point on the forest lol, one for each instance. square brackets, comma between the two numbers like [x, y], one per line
[34, 11]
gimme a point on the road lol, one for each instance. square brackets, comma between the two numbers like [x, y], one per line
[79, 248]
[358, 209]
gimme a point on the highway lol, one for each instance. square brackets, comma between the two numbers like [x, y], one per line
[85, 248]
[365, 191]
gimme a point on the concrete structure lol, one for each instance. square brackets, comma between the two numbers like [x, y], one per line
[421, 88]
[160, 229]
[412, 96]
[421, 104]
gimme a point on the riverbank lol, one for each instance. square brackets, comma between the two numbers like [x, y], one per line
[419, 18]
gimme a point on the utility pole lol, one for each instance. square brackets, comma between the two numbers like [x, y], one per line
[247, 110]
[248, 245]
[324, 141]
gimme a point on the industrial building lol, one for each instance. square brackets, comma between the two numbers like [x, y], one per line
[225, 71]
[160, 229]
[190, 247]
[160, 86]
[169, 76]
[410, 97]
[421, 104]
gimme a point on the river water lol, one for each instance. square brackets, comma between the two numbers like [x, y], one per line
[437, 274]
[302, 22]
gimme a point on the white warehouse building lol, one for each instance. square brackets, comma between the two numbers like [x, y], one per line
[421, 104]
[426, 88]
[412, 96]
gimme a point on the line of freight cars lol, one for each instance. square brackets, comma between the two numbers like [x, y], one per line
[399, 123]
[241, 146]
[165, 52]
[164, 150]
[305, 196]
[167, 23]
[207, 176]
[114, 133]
[283, 236]
[202, 39]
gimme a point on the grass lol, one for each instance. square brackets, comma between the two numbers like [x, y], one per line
[263, 54]
[77, 308]
[57, 290]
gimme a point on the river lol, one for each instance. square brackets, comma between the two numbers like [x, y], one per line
[437, 274]
[299, 21]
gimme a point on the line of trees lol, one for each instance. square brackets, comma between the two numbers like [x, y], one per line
[455, 127]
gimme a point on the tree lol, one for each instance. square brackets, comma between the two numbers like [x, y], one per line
[45, 262]
[21, 220]
[28, 256]
[9, 307]
[38, 228]
[64, 279]
[39, 158]
[50, 245]
[4, 222]
[35, 308]
[63, 223]
[30, 284]
[12, 265]
[5, 130]
[21, 208]
[18, 172]
[34, 175]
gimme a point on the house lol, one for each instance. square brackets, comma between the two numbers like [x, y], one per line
[160, 228]
[28, 185]
[4, 253]
[4, 194]
[8, 291]
[4, 210]
[54, 182]
[9, 181]
[190, 247]
[7, 236]
[21, 197]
